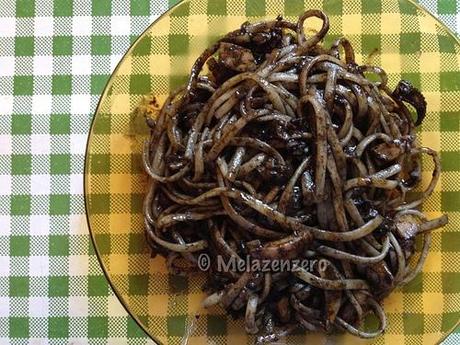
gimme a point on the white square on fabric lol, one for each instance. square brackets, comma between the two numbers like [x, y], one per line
[78, 306]
[41, 104]
[81, 65]
[78, 265]
[5, 144]
[40, 144]
[39, 266]
[40, 184]
[114, 60]
[39, 224]
[5, 227]
[7, 26]
[81, 26]
[114, 307]
[457, 29]
[4, 266]
[78, 225]
[4, 307]
[5, 184]
[76, 184]
[80, 104]
[39, 341]
[38, 306]
[78, 143]
[6, 104]
[43, 26]
[120, 25]
[7, 66]
[43, 65]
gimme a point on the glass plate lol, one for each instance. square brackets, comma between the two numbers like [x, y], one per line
[398, 35]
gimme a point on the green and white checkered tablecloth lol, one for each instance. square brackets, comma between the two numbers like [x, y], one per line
[55, 58]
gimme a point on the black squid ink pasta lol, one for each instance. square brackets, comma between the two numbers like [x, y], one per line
[279, 148]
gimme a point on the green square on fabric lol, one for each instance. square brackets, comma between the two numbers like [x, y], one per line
[59, 204]
[25, 8]
[62, 85]
[103, 243]
[20, 205]
[60, 124]
[331, 7]
[176, 325]
[136, 203]
[139, 8]
[178, 44]
[136, 164]
[24, 46]
[171, 3]
[133, 330]
[23, 85]
[98, 327]
[450, 160]
[369, 43]
[216, 8]
[102, 125]
[371, 7]
[414, 78]
[255, 8]
[138, 284]
[21, 164]
[97, 285]
[136, 243]
[216, 325]
[182, 10]
[449, 81]
[58, 245]
[416, 285]
[450, 241]
[58, 327]
[63, 8]
[97, 83]
[413, 323]
[19, 286]
[450, 282]
[58, 286]
[450, 121]
[143, 47]
[101, 7]
[20, 245]
[100, 164]
[60, 164]
[409, 42]
[446, 44]
[447, 6]
[177, 283]
[406, 7]
[100, 203]
[62, 45]
[21, 124]
[450, 201]
[293, 7]
[449, 320]
[176, 81]
[139, 84]
[19, 327]
[101, 45]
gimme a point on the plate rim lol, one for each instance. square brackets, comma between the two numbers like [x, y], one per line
[86, 171]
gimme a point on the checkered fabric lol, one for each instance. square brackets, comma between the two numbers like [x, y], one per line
[56, 57]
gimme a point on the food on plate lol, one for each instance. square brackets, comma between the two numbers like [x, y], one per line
[280, 148]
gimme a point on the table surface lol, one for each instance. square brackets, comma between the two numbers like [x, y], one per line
[55, 58]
